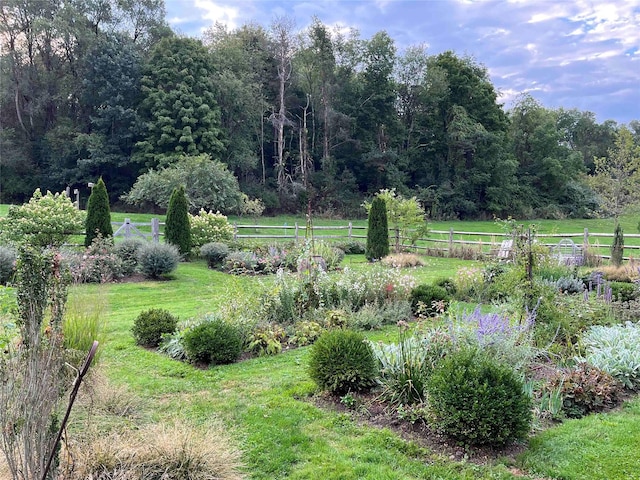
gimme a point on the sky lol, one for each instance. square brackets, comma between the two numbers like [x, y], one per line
[565, 53]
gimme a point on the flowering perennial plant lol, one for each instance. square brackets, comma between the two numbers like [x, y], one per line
[209, 227]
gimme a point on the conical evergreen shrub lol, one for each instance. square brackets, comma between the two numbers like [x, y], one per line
[378, 231]
[617, 249]
[177, 230]
[98, 214]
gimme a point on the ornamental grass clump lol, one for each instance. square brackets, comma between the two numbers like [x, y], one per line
[341, 361]
[478, 401]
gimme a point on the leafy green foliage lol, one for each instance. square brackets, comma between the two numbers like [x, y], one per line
[208, 185]
[214, 341]
[46, 220]
[266, 339]
[7, 264]
[97, 264]
[624, 292]
[177, 230]
[214, 253]
[98, 221]
[341, 362]
[305, 332]
[150, 325]
[207, 227]
[377, 231]
[157, 259]
[478, 401]
[425, 300]
[617, 248]
[585, 389]
[127, 250]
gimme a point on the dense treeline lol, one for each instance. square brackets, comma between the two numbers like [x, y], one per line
[106, 89]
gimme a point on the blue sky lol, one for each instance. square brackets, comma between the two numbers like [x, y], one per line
[565, 53]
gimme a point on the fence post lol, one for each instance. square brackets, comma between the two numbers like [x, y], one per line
[127, 228]
[585, 245]
[397, 240]
[155, 229]
[235, 231]
[350, 228]
[450, 242]
[297, 233]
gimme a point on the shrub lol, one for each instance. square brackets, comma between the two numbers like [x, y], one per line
[402, 260]
[585, 389]
[617, 248]
[128, 250]
[98, 221]
[214, 253]
[7, 264]
[46, 220]
[332, 256]
[341, 361]
[570, 285]
[352, 247]
[615, 350]
[477, 401]
[209, 227]
[177, 230]
[98, 264]
[156, 259]
[150, 325]
[214, 341]
[241, 262]
[266, 339]
[624, 292]
[447, 283]
[377, 231]
[270, 258]
[424, 299]
[305, 332]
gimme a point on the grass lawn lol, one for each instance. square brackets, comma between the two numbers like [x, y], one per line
[267, 407]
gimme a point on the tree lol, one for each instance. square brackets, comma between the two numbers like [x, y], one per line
[177, 230]
[208, 184]
[179, 109]
[378, 231]
[98, 214]
[617, 248]
[617, 176]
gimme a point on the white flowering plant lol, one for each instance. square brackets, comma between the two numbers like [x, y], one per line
[46, 220]
[208, 227]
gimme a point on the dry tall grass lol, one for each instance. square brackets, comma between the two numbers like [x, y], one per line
[402, 260]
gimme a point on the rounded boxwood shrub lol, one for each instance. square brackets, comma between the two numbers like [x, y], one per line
[423, 296]
[150, 325]
[214, 253]
[7, 264]
[447, 283]
[341, 362]
[477, 401]
[157, 259]
[128, 250]
[213, 341]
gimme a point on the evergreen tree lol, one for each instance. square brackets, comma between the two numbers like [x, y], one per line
[378, 231]
[617, 248]
[98, 214]
[177, 230]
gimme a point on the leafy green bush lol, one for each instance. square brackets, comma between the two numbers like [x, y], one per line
[341, 361]
[157, 259]
[478, 401]
[424, 299]
[585, 389]
[209, 227]
[150, 325]
[624, 292]
[351, 247]
[214, 341]
[241, 262]
[214, 253]
[617, 247]
[177, 230]
[305, 332]
[332, 256]
[266, 339]
[97, 264]
[447, 283]
[128, 250]
[614, 349]
[98, 221]
[7, 264]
